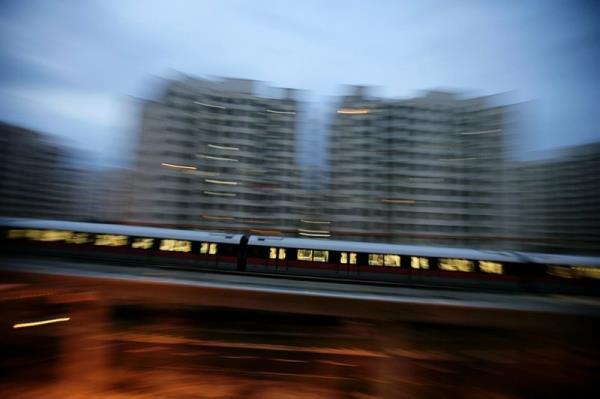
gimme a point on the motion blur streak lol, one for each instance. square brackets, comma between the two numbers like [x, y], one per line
[41, 323]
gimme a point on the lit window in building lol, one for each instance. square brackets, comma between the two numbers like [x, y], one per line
[110, 240]
[204, 248]
[142, 243]
[272, 253]
[460, 265]
[490, 267]
[212, 249]
[419, 263]
[79, 238]
[305, 254]
[391, 260]
[320, 256]
[176, 245]
[376, 259]
[282, 253]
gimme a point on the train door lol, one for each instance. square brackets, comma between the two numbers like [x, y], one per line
[242, 254]
[277, 259]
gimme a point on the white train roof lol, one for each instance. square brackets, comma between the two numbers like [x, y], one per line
[136, 231]
[355, 246]
[571, 260]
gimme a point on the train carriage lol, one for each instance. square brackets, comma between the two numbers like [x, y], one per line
[347, 260]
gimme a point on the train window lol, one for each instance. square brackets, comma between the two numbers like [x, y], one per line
[320, 256]
[560, 271]
[305, 254]
[212, 249]
[461, 265]
[281, 253]
[587, 272]
[375, 259]
[391, 260]
[419, 263]
[55, 235]
[346, 257]
[272, 253]
[176, 245]
[110, 240]
[16, 234]
[490, 267]
[142, 243]
[33, 234]
[79, 238]
[203, 247]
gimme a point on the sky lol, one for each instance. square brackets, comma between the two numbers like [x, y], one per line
[76, 69]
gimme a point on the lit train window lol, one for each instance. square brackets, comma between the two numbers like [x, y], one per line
[143, 243]
[391, 260]
[320, 256]
[460, 265]
[560, 271]
[375, 259]
[79, 238]
[16, 234]
[33, 234]
[587, 272]
[55, 235]
[204, 248]
[212, 249]
[110, 240]
[419, 263]
[272, 253]
[490, 267]
[176, 245]
[281, 253]
[305, 254]
[346, 257]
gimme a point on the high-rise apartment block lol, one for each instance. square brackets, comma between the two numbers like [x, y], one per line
[555, 204]
[215, 154]
[423, 170]
[37, 177]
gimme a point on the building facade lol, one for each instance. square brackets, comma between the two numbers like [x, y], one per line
[424, 170]
[555, 205]
[217, 155]
[37, 178]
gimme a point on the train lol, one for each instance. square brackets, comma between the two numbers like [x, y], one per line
[373, 263]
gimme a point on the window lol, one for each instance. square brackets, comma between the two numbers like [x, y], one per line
[346, 257]
[79, 238]
[212, 249]
[461, 265]
[304, 254]
[320, 256]
[55, 235]
[110, 240]
[282, 253]
[203, 247]
[490, 267]
[272, 253]
[16, 234]
[375, 259]
[176, 245]
[419, 263]
[142, 243]
[391, 260]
